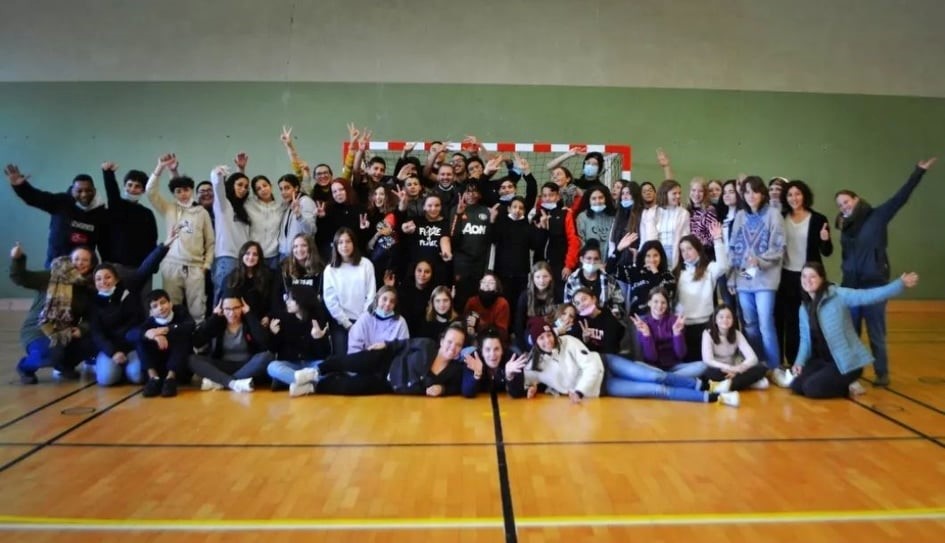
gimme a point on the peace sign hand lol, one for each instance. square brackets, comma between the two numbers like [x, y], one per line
[585, 330]
[641, 325]
[320, 209]
[364, 222]
[286, 136]
[679, 325]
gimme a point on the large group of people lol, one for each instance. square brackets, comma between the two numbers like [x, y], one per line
[457, 273]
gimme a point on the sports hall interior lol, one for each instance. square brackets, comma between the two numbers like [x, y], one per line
[841, 94]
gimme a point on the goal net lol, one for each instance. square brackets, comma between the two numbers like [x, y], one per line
[617, 157]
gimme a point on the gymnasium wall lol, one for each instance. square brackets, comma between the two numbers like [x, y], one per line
[108, 80]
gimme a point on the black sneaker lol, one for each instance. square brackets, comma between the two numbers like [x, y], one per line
[27, 377]
[152, 388]
[67, 373]
[169, 390]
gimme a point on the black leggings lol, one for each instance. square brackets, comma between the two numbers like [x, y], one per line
[821, 379]
[741, 381]
[370, 369]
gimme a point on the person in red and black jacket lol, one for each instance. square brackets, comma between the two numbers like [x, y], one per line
[491, 367]
[76, 218]
[239, 347]
[554, 238]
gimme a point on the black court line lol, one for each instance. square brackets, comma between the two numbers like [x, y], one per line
[45, 405]
[508, 514]
[707, 441]
[875, 411]
[917, 401]
[67, 431]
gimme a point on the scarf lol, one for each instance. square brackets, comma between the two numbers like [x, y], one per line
[851, 225]
[56, 319]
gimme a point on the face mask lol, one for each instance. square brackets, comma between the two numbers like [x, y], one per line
[559, 324]
[488, 297]
[132, 197]
[587, 312]
[691, 263]
[506, 197]
[383, 315]
[589, 268]
[590, 171]
[598, 209]
[626, 204]
[165, 320]
[106, 293]
[549, 205]
[515, 217]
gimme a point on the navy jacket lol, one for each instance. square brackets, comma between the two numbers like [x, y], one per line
[865, 261]
[69, 226]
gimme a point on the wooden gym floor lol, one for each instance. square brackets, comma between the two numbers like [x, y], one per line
[82, 463]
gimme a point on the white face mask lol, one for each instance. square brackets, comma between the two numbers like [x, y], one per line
[506, 197]
[589, 268]
[106, 293]
[549, 205]
[165, 320]
[132, 197]
[515, 217]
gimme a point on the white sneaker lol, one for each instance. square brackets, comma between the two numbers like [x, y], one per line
[760, 384]
[242, 385]
[729, 398]
[306, 375]
[301, 390]
[856, 389]
[720, 386]
[782, 378]
[207, 384]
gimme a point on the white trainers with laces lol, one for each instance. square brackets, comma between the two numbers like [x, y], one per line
[242, 385]
[730, 399]
[301, 390]
[760, 384]
[306, 375]
[207, 384]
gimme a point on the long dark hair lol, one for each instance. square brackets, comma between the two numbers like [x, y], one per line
[645, 248]
[259, 274]
[819, 269]
[239, 206]
[730, 336]
[703, 259]
[336, 259]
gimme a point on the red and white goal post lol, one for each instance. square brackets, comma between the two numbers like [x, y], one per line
[617, 157]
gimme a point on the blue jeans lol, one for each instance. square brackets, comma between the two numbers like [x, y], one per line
[39, 354]
[875, 317]
[221, 268]
[285, 371]
[758, 313]
[629, 379]
[108, 373]
[692, 370]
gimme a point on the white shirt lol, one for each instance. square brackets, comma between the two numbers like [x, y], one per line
[795, 238]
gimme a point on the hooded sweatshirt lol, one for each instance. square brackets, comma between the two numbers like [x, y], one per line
[70, 226]
[194, 245]
[265, 217]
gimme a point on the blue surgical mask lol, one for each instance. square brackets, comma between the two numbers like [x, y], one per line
[381, 314]
[549, 205]
[106, 293]
[591, 170]
[598, 209]
[132, 197]
[506, 197]
[626, 204]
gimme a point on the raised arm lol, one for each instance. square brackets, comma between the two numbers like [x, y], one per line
[22, 277]
[892, 206]
[222, 210]
[112, 190]
[574, 151]
[153, 189]
[30, 195]
[663, 160]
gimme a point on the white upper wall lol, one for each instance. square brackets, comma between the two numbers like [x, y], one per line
[891, 47]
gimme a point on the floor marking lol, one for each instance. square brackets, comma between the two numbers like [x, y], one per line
[11, 522]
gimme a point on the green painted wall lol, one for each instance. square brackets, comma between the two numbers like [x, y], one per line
[868, 143]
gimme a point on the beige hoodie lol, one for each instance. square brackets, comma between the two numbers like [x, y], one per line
[194, 245]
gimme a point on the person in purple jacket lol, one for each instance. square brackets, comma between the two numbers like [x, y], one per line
[381, 323]
[660, 335]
